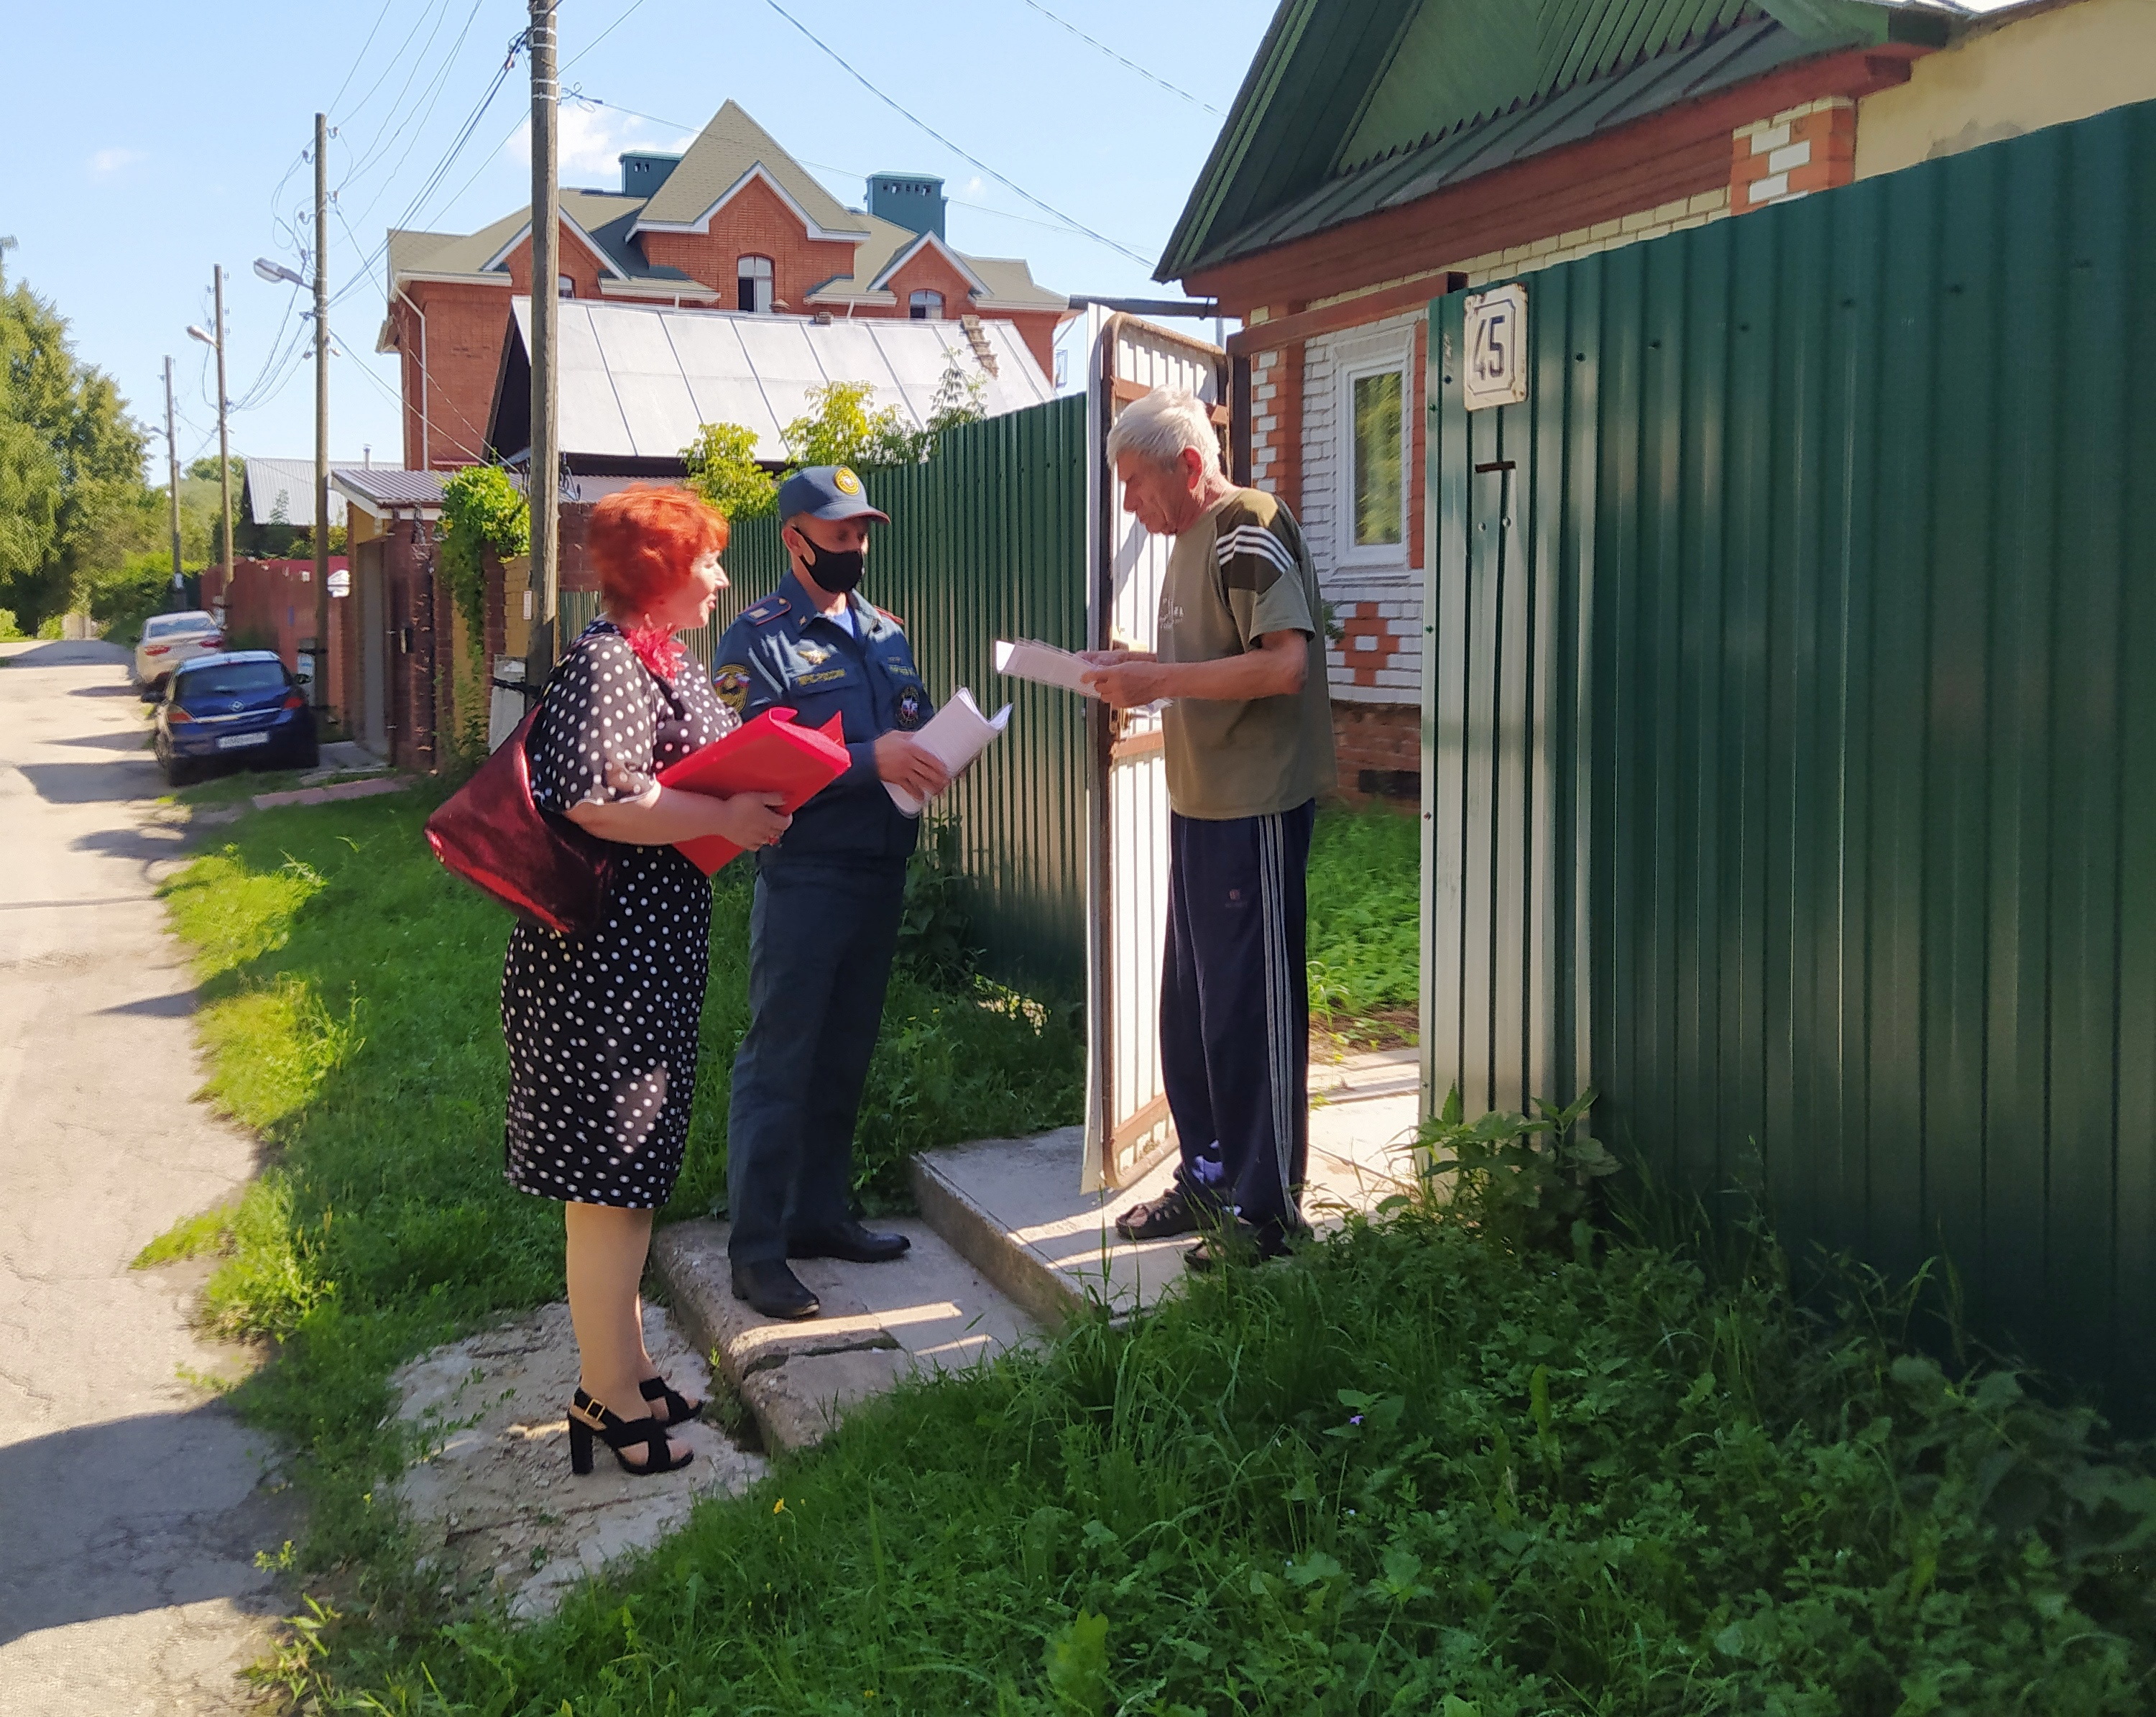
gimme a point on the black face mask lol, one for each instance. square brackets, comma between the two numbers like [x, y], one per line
[836, 570]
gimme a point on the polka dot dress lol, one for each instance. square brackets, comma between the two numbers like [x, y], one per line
[601, 1031]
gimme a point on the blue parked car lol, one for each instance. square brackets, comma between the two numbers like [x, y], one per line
[242, 705]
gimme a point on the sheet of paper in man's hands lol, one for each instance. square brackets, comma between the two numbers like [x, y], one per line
[1043, 664]
[955, 735]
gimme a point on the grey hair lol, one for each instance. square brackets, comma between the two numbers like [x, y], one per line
[1161, 425]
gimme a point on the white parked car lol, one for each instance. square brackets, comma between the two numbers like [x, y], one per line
[168, 640]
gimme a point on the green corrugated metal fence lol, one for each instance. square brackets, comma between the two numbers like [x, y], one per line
[1792, 725]
[987, 540]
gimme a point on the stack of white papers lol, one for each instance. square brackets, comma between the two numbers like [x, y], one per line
[1043, 664]
[954, 736]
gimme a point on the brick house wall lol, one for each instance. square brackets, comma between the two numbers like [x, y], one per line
[755, 222]
[466, 325]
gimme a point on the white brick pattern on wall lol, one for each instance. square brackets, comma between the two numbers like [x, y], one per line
[1392, 592]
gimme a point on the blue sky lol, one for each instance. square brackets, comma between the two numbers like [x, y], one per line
[169, 139]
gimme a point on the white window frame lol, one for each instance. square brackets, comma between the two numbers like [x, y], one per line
[917, 311]
[763, 282]
[1388, 354]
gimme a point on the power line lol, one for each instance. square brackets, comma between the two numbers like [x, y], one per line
[1131, 64]
[1009, 184]
[433, 180]
[351, 70]
[632, 6]
[1058, 225]
[387, 133]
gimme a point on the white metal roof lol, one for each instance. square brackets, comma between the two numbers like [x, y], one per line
[281, 491]
[638, 381]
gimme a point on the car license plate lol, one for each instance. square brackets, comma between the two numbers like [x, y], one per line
[234, 742]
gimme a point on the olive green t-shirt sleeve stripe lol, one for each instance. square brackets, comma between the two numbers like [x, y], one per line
[1261, 579]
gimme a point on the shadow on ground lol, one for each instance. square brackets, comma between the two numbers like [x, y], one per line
[137, 1514]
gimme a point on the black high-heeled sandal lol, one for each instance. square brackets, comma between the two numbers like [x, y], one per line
[679, 1409]
[588, 1418]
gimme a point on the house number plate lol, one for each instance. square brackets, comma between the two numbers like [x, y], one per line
[1495, 336]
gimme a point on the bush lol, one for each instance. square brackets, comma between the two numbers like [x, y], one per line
[8, 627]
[121, 598]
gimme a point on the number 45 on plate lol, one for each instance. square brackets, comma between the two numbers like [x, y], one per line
[1496, 339]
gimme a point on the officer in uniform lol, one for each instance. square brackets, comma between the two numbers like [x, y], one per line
[829, 895]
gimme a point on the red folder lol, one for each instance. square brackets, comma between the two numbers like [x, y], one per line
[769, 754]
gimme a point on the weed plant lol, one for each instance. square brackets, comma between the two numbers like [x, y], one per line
[1413, 1470]
[1364, 918]
[350, 1013]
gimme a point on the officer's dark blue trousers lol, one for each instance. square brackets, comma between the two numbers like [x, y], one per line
[1235, 1011]
[820, 940]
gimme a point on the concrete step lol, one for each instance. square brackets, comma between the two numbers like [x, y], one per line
[880, 1323]
[1006, 1245]
[1014, 1209]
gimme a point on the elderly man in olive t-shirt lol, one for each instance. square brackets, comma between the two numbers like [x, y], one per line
[1249, 738]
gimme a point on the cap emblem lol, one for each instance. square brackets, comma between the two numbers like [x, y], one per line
[845, 482]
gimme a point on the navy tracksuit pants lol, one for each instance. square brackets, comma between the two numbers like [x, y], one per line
[1234, 1012]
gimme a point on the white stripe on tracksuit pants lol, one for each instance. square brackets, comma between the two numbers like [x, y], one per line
[1234, 1012]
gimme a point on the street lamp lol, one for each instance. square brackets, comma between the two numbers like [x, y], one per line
[223, 445]
[273, 273]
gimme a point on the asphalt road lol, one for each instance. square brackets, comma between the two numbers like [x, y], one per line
[131, 1502]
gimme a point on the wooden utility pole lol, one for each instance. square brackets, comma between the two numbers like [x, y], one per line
[321, 690]
[223, 442]
[542, 487]
[172, 458]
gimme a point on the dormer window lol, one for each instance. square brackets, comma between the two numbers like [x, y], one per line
[753, 275]
[565, 286]
[926, 307]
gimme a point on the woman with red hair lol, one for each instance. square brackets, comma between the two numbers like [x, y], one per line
[603, 1029]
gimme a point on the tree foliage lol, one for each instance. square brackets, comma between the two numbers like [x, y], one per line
[480, 510]
[72, 496]
[723, 469]
[840, 427]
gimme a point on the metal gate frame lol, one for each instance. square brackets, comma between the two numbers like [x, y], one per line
[1127, 1127]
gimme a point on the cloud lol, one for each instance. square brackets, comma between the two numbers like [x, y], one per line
[107, 161]
[592, 137]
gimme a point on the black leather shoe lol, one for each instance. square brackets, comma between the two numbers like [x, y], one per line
[772, 1289]
[849, 1242]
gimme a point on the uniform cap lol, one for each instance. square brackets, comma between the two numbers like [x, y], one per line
[826, 491]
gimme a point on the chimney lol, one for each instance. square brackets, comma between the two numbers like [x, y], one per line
[914, 201]
[643, 171]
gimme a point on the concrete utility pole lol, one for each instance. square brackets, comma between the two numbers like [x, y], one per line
[543, 488]
[172, 458]
[321, 690]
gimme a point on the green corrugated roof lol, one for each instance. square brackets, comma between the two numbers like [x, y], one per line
[1336, 85]
[1460, 61]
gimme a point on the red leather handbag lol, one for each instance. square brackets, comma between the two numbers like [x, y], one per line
[492, 833]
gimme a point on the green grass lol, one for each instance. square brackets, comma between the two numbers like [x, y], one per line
[1412, 1471]
[350, 1014]
[1365, 870]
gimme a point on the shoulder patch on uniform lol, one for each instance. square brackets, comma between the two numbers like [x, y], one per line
[767, 611]
[730, 681]
[890, 616]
